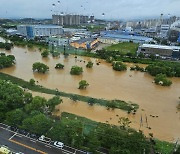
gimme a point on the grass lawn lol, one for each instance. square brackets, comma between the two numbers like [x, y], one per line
[164, 147]
[124, 47]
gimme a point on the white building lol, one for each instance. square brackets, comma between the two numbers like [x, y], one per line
[164, 30]
[58, 41]
[31, 31]
[107, 40]
[176, 26]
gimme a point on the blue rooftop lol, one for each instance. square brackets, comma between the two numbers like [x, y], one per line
[124, 36]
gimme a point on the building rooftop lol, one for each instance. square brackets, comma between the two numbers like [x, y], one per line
[160, 47]
[121, 35]
[85, 40]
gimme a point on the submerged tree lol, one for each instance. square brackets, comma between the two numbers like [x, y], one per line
[45, 53]
[76, 70]
[119, 66]
[83, 84]
[40, 67]
[89, 64]
[59, 66]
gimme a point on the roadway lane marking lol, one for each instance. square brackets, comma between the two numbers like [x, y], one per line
[28, 147]
[47, 146]
[12, 136]
[33, 141]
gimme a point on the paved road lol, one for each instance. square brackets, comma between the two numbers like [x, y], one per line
[27, 145]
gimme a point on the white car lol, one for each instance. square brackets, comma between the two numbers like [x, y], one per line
[44, 139]
[59, 144]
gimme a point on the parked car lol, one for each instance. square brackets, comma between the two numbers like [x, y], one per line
[23, 132]
[13, 128]
[33, 136]
[58, 144]
[44, 139]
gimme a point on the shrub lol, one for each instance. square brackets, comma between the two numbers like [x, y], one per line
[161, 79]
[89, 64]
[76, 70]
[119, 66]
[59, 66]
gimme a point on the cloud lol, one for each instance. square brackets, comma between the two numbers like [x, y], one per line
[116, 9]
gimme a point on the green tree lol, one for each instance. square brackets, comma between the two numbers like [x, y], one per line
[15, 117]
[93, 142]
[83, 84]
[8, 46]
[89, 64]
[3, 110]
[76, 70]
[124, 122]
[59, 66]
[68, 131]
[30, 45]
[32, 82]
[39, 124]
[161, 79]
[40, 67]
[119, 66]
[12, 95]
[6, 61]
[38, 103]
[53, 102]
[45, 53]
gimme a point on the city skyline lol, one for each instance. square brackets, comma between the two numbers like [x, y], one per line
[102, 9]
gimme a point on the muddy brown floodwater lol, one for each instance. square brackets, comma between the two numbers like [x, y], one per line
[105, 83]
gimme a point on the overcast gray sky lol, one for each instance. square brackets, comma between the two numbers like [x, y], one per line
[113, 9]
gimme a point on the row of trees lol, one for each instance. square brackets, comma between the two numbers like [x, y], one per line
[170, 69]
[21, 41]
[6, 61]
[6, 45]
[75, 70]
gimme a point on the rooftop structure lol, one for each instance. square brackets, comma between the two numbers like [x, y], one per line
[160, 50]
[88, 43]
[31, 31]
[126, 37]
[161, 47]
[58, 41]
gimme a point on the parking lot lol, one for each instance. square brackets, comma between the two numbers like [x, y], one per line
[22, 141]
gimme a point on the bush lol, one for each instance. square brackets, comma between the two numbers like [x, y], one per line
[40, 67]
[6, 61]
[83, 84]
[59, 66]
[76, 70]
[119, 66]
[89, 64]
[161, 79]
[32, 82]
[45, 53]
[137, 68]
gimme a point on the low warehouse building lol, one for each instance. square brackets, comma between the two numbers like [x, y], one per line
[89, 43]
[160, 50]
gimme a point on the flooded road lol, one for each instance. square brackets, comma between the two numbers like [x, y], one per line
[105, 83]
